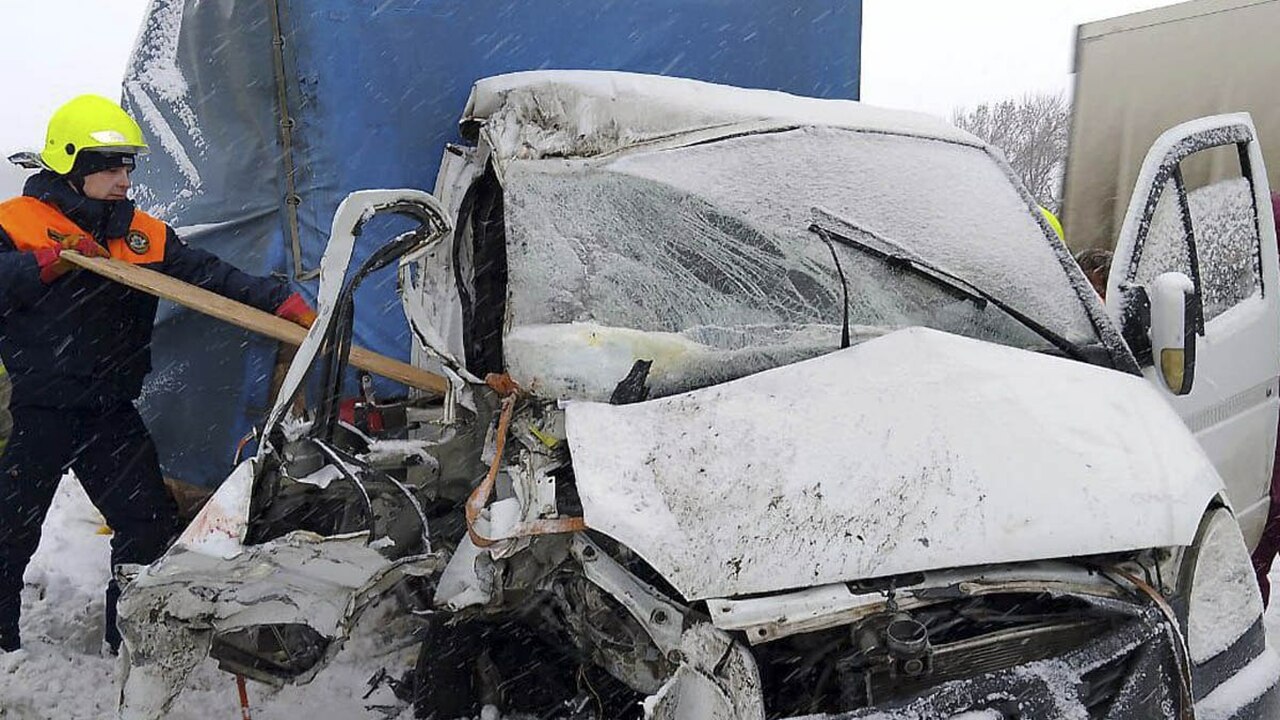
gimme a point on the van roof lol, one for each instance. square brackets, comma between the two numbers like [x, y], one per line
[584, 113]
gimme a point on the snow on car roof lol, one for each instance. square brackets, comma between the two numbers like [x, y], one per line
[582, 113]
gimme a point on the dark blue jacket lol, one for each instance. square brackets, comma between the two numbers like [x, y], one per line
[85, 341]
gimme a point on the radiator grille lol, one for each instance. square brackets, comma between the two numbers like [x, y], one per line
[996, 651]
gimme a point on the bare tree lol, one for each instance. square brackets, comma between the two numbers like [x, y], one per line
[1032, 131]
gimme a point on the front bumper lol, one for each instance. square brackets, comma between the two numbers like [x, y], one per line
[1263, 707]
[1128, 674]
[1242, 682]
[1133, 671]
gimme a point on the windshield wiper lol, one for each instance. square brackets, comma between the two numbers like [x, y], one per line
[844, 327]
[899, 257]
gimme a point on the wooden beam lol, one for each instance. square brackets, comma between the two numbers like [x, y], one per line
[249, 318]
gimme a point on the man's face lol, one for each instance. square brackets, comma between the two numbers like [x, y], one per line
[110, 184]
[1098, 278]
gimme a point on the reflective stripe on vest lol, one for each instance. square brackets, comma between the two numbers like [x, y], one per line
[35, 225]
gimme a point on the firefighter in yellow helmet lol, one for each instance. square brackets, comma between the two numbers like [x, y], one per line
[77, 346]
[89, 123]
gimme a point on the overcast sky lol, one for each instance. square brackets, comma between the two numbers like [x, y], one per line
[930, 55]
[936, 55]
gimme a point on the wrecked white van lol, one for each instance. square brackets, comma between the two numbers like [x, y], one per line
[764, 407]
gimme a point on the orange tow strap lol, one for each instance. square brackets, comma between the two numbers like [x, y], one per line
[1186, 708]
[480, 496]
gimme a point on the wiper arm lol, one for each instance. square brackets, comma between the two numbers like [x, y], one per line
[844, 283]
[904, 261]
[899, 257]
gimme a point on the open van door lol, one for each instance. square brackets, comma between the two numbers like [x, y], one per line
[1194, 288]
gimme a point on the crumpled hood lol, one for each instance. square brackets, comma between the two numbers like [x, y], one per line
[915, 451]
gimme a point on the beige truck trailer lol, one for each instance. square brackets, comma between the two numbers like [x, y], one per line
[1138, 75]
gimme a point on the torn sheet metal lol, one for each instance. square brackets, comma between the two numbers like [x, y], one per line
[580, 113]
[219, 530]
[772, 617]
[174, 608]
[354, 211]
[915, 451]
[717, 680]
[469, 578]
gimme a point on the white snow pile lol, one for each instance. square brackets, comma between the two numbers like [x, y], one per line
[62, 672]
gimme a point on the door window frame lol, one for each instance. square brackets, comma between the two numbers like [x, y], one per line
[1137, 306]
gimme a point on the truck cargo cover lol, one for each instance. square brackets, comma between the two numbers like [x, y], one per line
[256, 109]
[1141, 74]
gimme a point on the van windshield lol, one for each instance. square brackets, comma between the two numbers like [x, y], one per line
[713, 241]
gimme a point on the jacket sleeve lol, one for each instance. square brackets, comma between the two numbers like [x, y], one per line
[210, 272]
[20, 284]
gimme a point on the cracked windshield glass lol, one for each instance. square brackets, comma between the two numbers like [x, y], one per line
[712, 241]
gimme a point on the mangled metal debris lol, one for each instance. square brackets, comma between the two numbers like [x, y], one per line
[658, 487]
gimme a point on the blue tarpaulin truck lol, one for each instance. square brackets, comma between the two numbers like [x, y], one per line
[263, 115]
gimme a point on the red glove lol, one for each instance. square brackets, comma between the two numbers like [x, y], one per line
[296, 310]
[52, 266]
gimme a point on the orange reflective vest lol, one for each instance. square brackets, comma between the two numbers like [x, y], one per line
[34, 225]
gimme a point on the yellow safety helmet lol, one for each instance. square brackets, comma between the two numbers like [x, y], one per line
[88, 122]
[1053, 221]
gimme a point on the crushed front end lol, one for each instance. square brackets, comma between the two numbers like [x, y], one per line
[323, 520]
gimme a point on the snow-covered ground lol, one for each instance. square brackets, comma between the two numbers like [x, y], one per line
[61, 672]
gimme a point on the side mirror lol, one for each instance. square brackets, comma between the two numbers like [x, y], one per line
[1172, 331]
